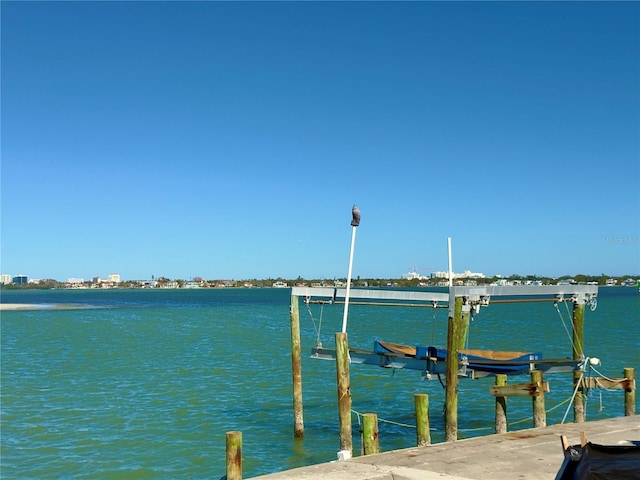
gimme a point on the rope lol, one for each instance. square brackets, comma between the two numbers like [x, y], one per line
[601, 406]
[604, 376]
[526, 419]
[575, 392]
[474, 429]
[316, 327]
[602, 387]
[358, 414]
[546, 411]
[565, 326]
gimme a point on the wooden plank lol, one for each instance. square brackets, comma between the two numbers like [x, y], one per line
[609, 383]
[583, 438]
[531, 389]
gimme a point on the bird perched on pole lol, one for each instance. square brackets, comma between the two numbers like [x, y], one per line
[355, 212]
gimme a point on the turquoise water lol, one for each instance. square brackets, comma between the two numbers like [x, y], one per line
[145, 383]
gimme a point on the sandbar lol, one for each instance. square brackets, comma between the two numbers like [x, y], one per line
[25, 306]
[42, 306]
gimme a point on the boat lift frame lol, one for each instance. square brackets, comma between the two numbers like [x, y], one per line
[473, 299]
[461, 301]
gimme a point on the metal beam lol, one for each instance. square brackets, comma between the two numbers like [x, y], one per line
[371, 294]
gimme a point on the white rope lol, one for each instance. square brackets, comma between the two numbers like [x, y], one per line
[382, 420]
[575, 392]
[602, 387]
[316, 327]
[603, 376]
[601, 406]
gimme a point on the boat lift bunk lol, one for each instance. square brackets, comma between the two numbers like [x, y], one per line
[431, 360]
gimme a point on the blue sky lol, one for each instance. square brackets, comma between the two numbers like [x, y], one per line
[230, 140]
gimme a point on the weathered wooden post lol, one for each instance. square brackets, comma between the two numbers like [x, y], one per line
[344, 395]
[370, 436]
[234, 455]
[423, 432]
[501, 405]
[455, 342]
[296, 369]
[534, 389]
[539, 413]
[630, 392]
[578, 353]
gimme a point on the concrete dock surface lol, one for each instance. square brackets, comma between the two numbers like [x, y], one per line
[533, 454]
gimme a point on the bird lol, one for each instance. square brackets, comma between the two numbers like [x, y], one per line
[355, 212]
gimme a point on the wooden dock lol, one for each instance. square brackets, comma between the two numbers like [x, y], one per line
[533, 454]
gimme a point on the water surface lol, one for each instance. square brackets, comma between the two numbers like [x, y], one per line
[145, 383]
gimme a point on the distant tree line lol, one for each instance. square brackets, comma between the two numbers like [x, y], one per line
[161, 282]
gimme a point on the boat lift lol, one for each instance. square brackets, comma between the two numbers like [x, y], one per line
[461, 302]
[431, 360]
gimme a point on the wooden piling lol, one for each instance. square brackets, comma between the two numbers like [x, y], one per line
[370, 436]
[455, 342]
[344, 392]
[423, 432]
[630, 392]
[501, 406]
[539, 413]
[578, 353]
[234, 455]
[296, 369]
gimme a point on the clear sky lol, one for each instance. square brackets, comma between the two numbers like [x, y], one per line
[230, 140]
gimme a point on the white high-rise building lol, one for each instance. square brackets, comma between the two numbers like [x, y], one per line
[114, 277]
[6, 279]
[466, 274]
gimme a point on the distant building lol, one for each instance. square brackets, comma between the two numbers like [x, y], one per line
[413, 276]
[5, 279]
[75, 281]
[114, 277]
[20, 279]
[465, 274]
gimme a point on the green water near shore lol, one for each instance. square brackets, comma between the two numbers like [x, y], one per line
[146, 383]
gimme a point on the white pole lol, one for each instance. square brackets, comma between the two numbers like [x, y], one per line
[354, 223]
[450, 263]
